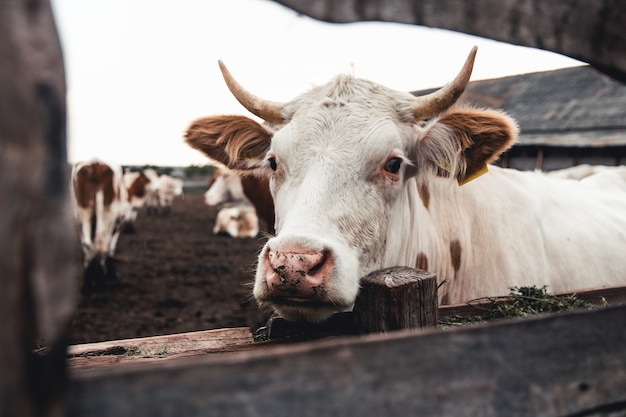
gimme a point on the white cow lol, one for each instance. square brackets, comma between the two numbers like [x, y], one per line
[225, 187]
[239, 220]
[237, 216]
[365, 177]
[100, 205]
[161, 192]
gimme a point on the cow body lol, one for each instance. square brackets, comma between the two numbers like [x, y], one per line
[227, 186]
[237, 216]
[582, 171]
[101, 206]
[365, 177]
[137, 184]
[238, 220]
[161, 192]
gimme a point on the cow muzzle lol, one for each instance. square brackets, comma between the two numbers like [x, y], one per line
[299, 283]
[297, 273]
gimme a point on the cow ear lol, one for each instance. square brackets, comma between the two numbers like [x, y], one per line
[236, 142]
[462, 142]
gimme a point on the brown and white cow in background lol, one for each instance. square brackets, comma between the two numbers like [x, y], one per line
[365, 177]
[238, 220]
[230, 188]
[236, 215]
[161, 192]
[137, 184]
[101, 206]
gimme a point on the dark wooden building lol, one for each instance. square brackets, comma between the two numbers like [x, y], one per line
[567, 117]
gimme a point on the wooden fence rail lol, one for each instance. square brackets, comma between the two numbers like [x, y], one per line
[569, 364]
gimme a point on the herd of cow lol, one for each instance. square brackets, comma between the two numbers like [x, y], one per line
[106, 202]
[352, 176]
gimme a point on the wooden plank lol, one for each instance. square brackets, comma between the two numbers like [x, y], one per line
[610, 296]
[568, 364]
[158, 348]
[389, 299]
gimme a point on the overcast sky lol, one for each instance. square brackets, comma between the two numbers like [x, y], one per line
[139, 71]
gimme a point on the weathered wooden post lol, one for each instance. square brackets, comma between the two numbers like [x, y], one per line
[396, 298]
[389, 299]
[37, 242]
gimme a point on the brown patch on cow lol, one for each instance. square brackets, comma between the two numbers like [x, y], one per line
[138, 187]
[455, 255]
[424, 193]
[91, 178]
[421, 262]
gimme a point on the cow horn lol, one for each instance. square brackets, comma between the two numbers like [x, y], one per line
[270, 111]
[442, 99]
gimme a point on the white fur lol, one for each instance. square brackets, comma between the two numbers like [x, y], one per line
[226, 187]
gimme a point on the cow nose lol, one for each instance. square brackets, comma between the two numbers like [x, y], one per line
[296, 272]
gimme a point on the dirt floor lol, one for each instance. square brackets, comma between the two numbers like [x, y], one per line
[173, 276]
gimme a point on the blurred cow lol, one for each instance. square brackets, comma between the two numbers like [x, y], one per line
[161, 192]
[100, 203]
[228, 186]
[239, 220]
[237, 216]
[137, 184]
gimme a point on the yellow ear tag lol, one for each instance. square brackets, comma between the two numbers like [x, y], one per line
[482, 170]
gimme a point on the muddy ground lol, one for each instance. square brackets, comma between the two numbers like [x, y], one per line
[173, 276]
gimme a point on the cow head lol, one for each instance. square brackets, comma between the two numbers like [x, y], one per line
[340, 159]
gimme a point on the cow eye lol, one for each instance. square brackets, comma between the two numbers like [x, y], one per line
[272, 162]
[393, 165]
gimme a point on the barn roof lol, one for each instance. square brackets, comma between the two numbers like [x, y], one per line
[575, 107]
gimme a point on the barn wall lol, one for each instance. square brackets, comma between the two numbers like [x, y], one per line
[547, 158]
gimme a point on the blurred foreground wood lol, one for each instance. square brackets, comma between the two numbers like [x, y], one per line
[557, 365]
[38, 265]
[565, 364]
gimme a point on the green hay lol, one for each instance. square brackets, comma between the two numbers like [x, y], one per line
[521, 302]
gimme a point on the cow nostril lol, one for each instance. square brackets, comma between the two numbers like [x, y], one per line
[318, 266]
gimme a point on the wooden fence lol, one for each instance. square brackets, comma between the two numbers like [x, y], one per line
[567, 364]
[570, 364]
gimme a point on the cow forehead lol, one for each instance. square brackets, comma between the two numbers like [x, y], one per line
[341, 139]
[346, 90]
